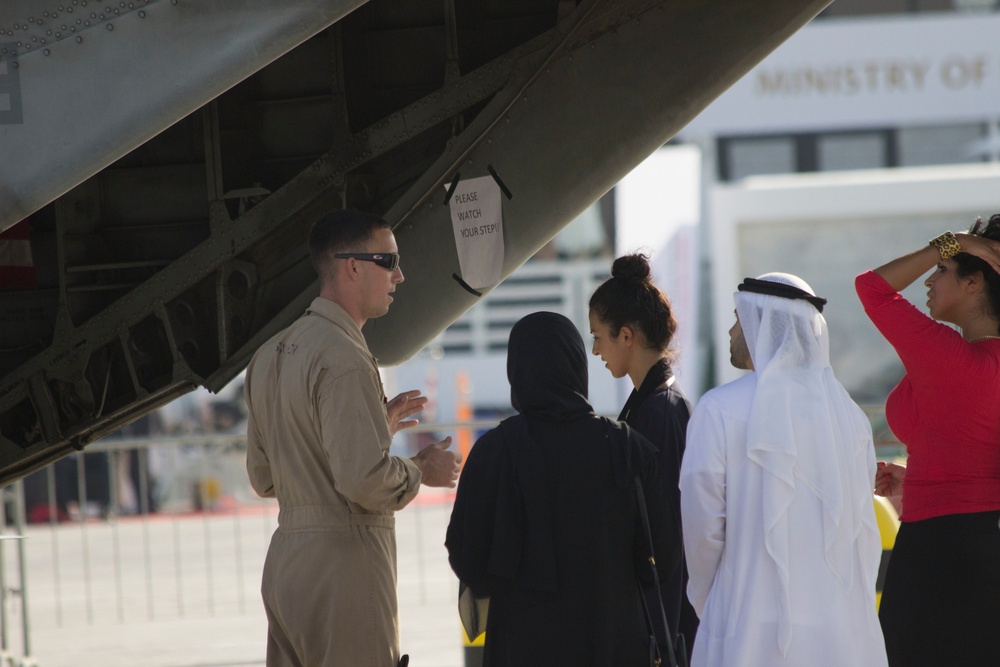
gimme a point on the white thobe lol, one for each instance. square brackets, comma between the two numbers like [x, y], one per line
[734, 584]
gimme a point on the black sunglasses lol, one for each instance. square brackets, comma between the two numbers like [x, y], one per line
[387, 260]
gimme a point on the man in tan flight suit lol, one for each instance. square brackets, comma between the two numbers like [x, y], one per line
[318, 440]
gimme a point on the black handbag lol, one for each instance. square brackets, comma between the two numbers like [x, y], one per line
[676, 652]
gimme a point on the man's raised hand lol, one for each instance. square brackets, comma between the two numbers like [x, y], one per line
[403, 406]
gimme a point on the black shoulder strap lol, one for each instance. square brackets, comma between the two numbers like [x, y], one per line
[671, 655]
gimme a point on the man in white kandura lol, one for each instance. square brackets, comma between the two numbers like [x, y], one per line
[776, 497]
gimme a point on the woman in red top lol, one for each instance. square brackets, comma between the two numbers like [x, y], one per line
[941, 600]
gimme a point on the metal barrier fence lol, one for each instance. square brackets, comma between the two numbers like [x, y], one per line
[11, 499]
[172, 524]
[139, 530]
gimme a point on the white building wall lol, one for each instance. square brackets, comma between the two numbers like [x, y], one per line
[890, 71]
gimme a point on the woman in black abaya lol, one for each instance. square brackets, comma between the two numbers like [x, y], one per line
[546, 521]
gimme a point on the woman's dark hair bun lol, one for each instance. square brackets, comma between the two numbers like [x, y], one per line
[987, 228]
[970, 264]
[632, 267]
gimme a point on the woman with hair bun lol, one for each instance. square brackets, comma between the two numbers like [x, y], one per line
[941, 599]
[633, 327]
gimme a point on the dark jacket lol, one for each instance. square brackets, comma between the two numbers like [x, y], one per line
[660, 411]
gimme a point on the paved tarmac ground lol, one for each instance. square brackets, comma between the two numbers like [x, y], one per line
[183, 590]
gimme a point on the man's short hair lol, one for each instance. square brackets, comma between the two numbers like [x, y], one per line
[346, 230]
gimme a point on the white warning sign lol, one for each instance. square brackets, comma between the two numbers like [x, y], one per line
[477, 219]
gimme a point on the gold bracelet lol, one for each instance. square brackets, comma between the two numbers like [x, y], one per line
[947, 245]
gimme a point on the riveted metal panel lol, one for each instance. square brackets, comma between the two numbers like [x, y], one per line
[98, 79]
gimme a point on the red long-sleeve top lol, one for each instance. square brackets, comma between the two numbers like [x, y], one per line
[946, 409]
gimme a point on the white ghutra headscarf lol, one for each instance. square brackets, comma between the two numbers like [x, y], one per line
[805, 432]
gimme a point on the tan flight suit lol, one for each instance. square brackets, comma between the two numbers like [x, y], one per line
[318, 440]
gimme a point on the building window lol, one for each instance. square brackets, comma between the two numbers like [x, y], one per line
[740, 157]
[855, 150]
[948, 144]
[744, 157]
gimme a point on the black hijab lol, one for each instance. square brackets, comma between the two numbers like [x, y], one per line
[547, 368]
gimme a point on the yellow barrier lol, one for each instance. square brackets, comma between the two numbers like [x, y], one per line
[888, 526]
[478, 641]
